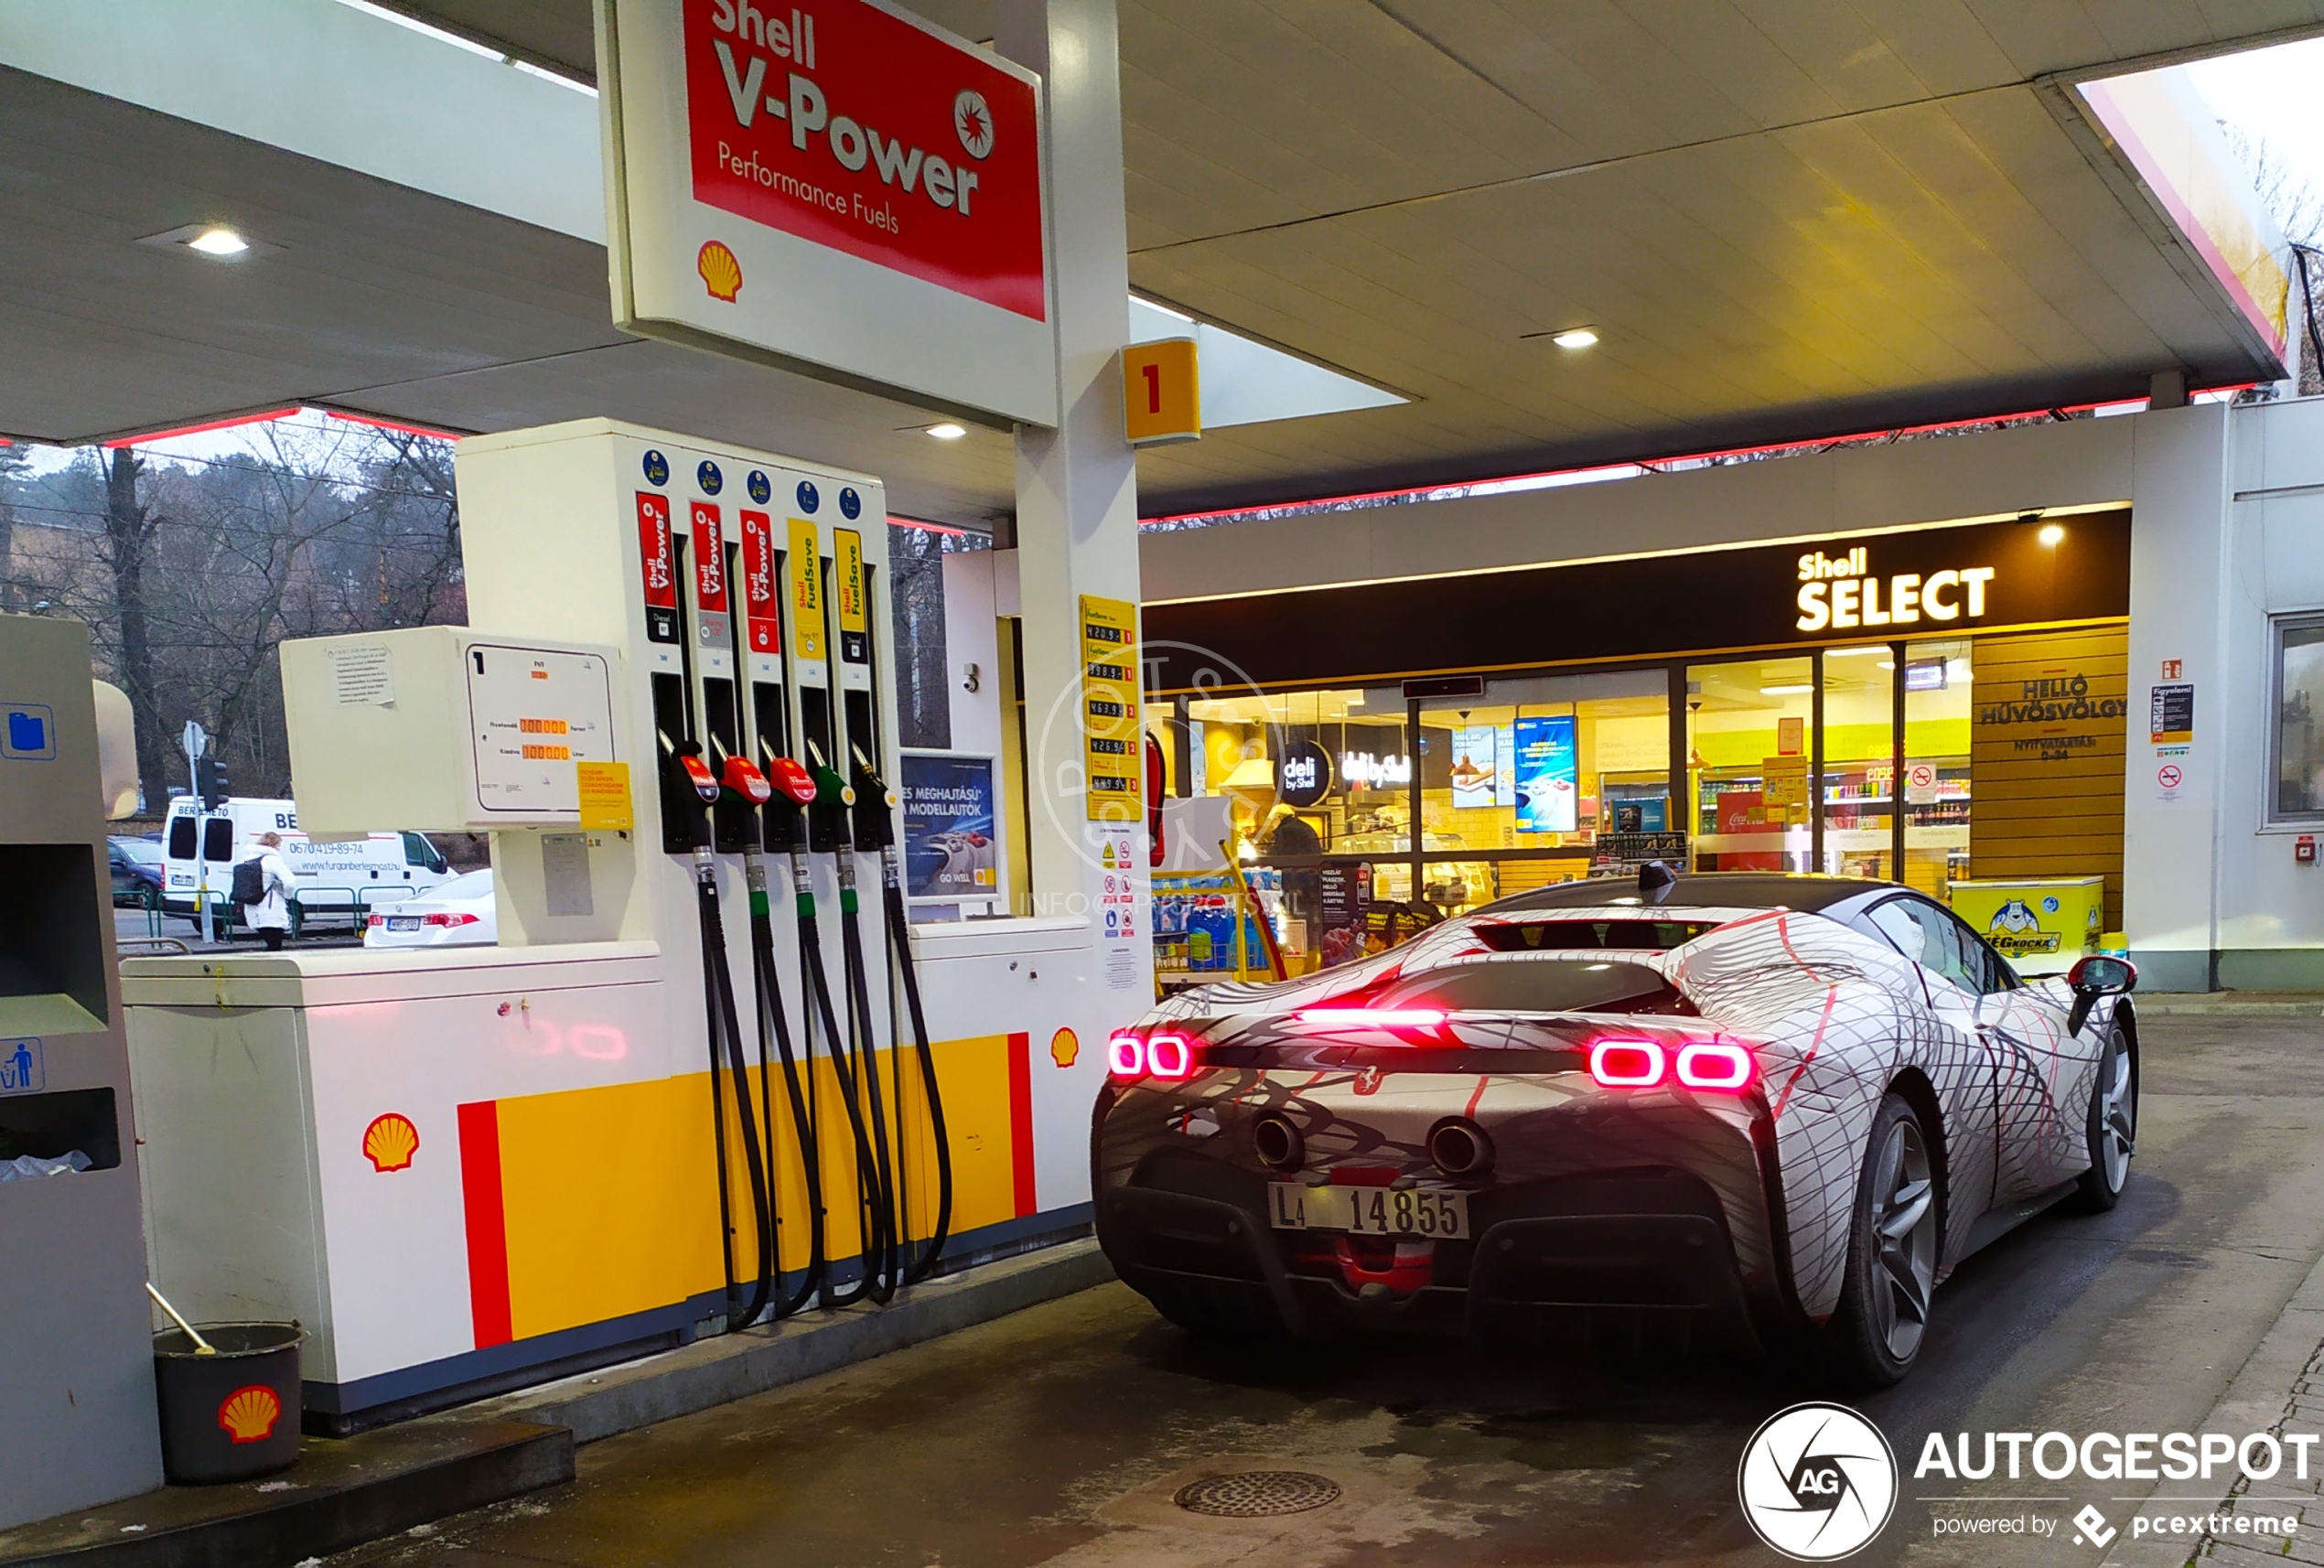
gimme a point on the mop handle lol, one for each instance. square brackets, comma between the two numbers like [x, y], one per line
[201, 1345]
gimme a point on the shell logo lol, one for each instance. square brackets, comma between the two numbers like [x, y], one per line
[1064, 1047]
[390, 1142]
[249, 1412]
[721, 273]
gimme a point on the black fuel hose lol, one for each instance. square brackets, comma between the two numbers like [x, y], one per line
[865, 1070]
[771, 1019]
[900, 937]
[872, 1202]
[725, 1029]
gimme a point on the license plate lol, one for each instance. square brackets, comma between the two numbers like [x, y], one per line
[403, 922]
[1419, 1213]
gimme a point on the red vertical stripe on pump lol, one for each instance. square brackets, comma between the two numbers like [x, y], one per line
[486, 1222]
[1021, 1121]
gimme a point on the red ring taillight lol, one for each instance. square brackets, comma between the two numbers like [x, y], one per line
[1627, 1064]
[1715, 1064]
[1164, 1055]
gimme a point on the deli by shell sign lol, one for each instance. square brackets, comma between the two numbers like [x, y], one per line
[840, 189]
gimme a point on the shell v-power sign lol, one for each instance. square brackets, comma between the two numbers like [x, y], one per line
[837, 188]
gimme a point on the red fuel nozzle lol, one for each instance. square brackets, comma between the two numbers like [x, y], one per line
[747, 781]
[698, 774]
[793, 779]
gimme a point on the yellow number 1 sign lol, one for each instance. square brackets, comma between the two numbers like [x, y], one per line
[1161, 392]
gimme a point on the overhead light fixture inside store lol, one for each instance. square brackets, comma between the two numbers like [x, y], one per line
[2053, 534]
[948, 431]
[1575, 338]
[1800, 690]
[1855, 652]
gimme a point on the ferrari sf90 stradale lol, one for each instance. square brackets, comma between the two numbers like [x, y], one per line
[1788, 1102]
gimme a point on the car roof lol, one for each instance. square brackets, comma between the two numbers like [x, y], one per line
[1697, 890]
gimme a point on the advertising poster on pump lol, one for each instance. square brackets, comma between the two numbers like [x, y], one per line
[796, 182]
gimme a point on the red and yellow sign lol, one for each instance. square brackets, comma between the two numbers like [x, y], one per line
[1161, 392]
[856, 128]
[1065, 1048]
[390, 1142]
[249, 1412]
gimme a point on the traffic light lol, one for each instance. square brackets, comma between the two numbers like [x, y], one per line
[211, 783]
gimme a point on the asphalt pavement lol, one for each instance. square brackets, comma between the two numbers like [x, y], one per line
[1063, 1433]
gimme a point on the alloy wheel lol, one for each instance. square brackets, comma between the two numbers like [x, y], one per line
[2117, 1130]
[1904, 1236]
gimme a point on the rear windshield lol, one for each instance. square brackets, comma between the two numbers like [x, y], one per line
[1547, 985]
[1528, 936]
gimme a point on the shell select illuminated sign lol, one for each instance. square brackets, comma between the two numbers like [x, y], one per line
[1842, 594]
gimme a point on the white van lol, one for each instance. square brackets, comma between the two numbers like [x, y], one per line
[339, 881]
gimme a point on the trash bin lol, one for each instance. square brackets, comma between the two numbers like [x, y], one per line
[231, 1416]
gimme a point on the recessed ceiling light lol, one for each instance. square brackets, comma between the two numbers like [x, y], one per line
[1575, 338]
[1787, 689]
[948, 431]
[219, 241]
[2051, 535]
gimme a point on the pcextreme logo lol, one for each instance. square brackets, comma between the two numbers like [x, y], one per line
[1817, 1482]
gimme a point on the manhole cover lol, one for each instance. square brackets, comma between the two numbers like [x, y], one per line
[1257, 1494]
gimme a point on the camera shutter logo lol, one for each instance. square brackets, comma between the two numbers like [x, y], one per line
[1817, 1482]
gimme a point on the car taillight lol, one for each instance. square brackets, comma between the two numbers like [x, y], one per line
[445, 919]
[376, 920]
[1716, 1063]
[1169, 1057]
[1627, 1064]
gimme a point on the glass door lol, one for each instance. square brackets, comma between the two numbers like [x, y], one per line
[1937, 708]
[1749, 727]
[1859, 761]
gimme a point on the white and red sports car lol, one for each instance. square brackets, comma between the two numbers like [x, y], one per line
[1792, 1103]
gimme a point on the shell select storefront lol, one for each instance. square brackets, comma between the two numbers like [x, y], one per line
[1945, 705]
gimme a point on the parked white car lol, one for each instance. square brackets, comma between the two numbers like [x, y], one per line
[456, 914]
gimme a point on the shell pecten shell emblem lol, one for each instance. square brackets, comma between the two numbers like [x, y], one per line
[1065, 1046]
[721, 273]
[390, 1142]
[249, 1412]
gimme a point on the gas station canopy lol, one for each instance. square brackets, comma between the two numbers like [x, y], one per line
[1780, 223]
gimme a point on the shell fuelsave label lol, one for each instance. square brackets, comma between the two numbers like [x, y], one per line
[805, 568]
[847, 587]
[852, 127]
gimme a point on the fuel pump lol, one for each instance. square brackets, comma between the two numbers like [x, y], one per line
[705, 798]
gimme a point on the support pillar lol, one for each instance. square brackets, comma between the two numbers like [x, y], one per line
[1077, 485]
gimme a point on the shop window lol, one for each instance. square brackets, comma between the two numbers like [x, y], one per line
[2298, 764]
[1539, 772]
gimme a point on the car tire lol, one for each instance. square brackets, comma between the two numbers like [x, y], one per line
[1894, 1241]
[2111, 1126]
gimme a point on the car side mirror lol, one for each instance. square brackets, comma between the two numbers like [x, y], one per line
[2093, 978]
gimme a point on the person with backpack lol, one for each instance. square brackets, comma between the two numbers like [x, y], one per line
[263, 884]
